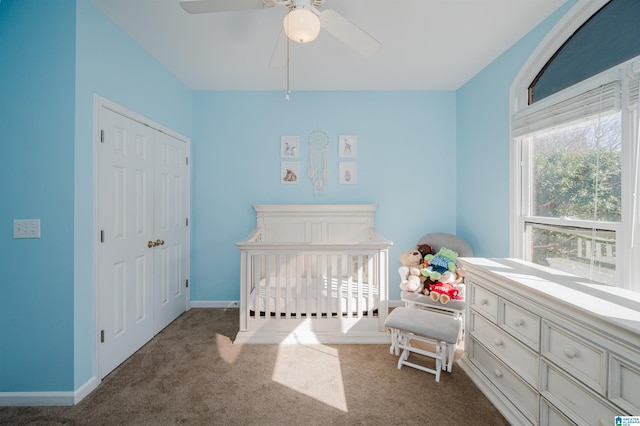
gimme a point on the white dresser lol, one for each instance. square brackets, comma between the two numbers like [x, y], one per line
[548, 348]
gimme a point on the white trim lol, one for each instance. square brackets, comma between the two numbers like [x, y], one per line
[215, 304]
[32, 399]
[23, 399]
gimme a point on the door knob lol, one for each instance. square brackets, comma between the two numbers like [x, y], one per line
[151, 244]
[159, 242]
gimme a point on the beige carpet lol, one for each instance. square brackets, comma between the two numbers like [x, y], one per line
[191, 373]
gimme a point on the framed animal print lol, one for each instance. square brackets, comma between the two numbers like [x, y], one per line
[289, 172]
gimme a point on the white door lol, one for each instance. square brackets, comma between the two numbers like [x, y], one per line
[170, 230]
[143, 253]
[125, 271]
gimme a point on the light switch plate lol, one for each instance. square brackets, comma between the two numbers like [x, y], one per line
[26, 228]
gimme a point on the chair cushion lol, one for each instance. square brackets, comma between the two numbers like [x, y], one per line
[435, 325]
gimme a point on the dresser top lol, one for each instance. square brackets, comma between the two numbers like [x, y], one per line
[614, 305]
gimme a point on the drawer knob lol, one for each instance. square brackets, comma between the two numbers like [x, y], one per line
[484, 301]
[498, 373]
[570, 352]
[498, 341]
[518, 322]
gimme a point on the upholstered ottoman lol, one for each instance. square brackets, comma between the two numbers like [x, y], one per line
[439, 329]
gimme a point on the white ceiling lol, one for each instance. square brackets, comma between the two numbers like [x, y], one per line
[426, 44]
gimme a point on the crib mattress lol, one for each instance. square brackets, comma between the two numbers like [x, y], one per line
[333, 293]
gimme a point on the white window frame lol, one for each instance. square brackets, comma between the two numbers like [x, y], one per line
[627, 234]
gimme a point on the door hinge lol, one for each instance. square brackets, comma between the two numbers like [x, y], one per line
[187, 160]
[102, 235]
[102, 136]
[186, 221]
[187, 283]
[101, 336]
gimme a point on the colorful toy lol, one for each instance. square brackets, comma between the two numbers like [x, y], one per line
[444, 260]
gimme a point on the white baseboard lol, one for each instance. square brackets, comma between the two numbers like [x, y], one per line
[85, 389]
[34, 399]
[215, 304]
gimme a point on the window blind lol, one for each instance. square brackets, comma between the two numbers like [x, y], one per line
[587, 104]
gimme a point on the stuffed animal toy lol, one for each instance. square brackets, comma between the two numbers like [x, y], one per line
[425, 249]
[459, 282]
[410, 277]
[445, 289]
[444, 260]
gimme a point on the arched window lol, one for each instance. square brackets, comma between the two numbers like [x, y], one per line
[575, 154]
[610, 37]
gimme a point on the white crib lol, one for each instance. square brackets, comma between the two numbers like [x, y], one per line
[313, 273]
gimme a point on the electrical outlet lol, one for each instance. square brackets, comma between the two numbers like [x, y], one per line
[26, 228]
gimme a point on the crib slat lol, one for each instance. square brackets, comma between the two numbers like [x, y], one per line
[349, 281]
[360, 308]
[267, 285]
[370, 268]
[298, 283]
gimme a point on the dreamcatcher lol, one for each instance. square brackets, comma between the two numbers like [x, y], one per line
[318, 173]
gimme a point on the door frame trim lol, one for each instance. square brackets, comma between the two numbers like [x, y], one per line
[99, 103]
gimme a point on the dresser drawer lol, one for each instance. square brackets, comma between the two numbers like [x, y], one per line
[520, 323]
[586, 362]
[515, 389]
[624, 384]
[575, 401]
[515, 354]
[550, 416]
[484, 301]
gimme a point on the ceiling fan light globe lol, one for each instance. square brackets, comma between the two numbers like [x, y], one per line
[301, 25]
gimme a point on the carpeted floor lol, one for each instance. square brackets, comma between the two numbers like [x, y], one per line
[191, 373]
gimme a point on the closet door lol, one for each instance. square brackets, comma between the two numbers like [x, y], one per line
[125, 218]
[143, 253]
[170, 230]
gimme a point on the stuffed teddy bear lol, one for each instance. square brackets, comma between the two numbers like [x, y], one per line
[425, 249]
[410, 277]
[444, 260]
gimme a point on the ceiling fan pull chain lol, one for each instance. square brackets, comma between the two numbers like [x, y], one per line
[287, 97]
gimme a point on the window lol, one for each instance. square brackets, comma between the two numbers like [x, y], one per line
[575, 166]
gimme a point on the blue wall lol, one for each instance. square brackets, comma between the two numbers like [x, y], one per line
[55, 56]
[404, 140]
[37, 92]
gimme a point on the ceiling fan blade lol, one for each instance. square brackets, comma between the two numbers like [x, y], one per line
[210, 6]
[279, 55]
[348, 33]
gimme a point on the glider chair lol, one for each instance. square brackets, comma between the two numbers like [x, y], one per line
[425, 320]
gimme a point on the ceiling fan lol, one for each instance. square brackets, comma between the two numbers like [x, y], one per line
[301, 24]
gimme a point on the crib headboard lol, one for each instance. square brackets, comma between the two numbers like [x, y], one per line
[315, 223]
